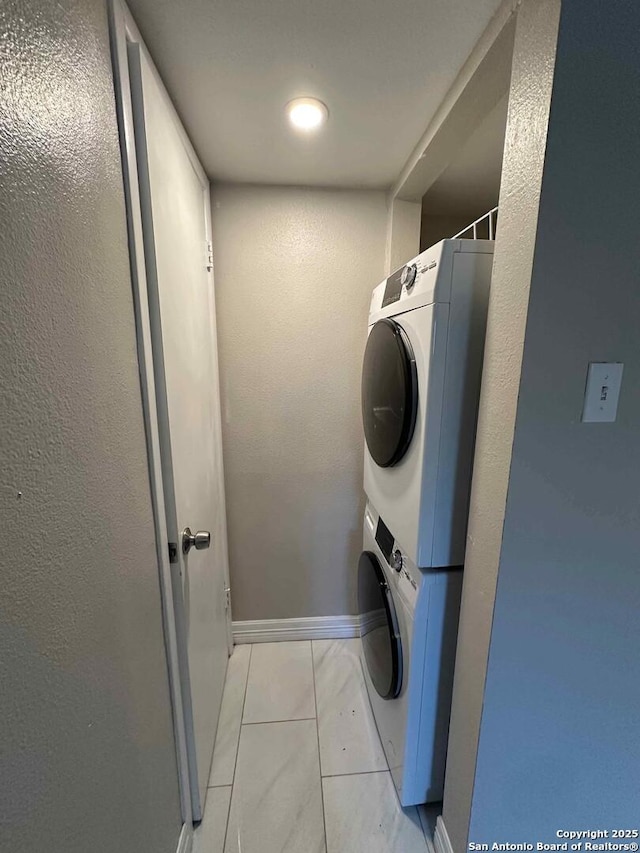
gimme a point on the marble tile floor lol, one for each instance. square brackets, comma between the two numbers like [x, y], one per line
[298, 766]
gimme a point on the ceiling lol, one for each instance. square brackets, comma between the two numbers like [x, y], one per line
[381, 66]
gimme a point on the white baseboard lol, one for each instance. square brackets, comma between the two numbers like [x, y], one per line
[185, 841]
[441, 838]
[308, 628]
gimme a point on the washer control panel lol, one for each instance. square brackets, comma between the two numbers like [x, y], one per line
[406, 577]
[396, 560]
[407, 586]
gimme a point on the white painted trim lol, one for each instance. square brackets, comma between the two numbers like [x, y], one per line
[441, 839]
[308, 628]
[122, 30]
[217, 392]
[185, 842]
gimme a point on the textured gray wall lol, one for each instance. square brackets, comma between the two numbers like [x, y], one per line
[87, 757]
[434, 228]
[403, 233]
[559, 745]
[294, 273]
[560, 742]
[529, 102]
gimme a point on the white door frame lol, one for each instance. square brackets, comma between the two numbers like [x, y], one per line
[123, 34]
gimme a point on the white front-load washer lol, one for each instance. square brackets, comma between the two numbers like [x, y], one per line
[409, 624]
[420, 390]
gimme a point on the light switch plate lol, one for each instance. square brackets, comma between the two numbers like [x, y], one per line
[603, 392]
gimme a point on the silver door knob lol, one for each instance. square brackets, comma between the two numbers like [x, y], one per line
[199, 540]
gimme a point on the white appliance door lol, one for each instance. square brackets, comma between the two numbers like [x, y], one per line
[404, 491]
[175, 206]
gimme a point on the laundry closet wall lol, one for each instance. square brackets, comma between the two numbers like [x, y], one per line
[294, 272]
[87, 754]
[544, 728]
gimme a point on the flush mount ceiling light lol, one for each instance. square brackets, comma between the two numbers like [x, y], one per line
[307, 113]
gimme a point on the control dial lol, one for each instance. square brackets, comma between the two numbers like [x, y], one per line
[408, 276]
[396, 560]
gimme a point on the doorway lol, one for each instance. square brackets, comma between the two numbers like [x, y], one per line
[169, 234]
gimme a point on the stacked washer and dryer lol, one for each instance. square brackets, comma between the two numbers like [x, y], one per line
[420, 389]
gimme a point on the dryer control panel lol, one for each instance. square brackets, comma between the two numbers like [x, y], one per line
[423, 280]
[409, 280]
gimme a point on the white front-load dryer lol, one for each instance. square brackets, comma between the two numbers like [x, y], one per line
[420, 390]
[409, 623]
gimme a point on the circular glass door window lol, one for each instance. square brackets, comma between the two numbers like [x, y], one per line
[380, 632]
[389, 393]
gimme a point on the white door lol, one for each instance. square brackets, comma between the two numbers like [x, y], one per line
[174, 195]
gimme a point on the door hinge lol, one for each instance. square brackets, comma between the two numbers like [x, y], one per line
[173, 552]
[209, 256]
[227, 598]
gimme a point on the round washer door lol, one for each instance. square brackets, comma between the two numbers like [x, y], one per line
[389, 393]
[381, 640]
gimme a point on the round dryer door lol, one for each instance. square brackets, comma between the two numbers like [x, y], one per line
[379, 627]
[389, 393]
